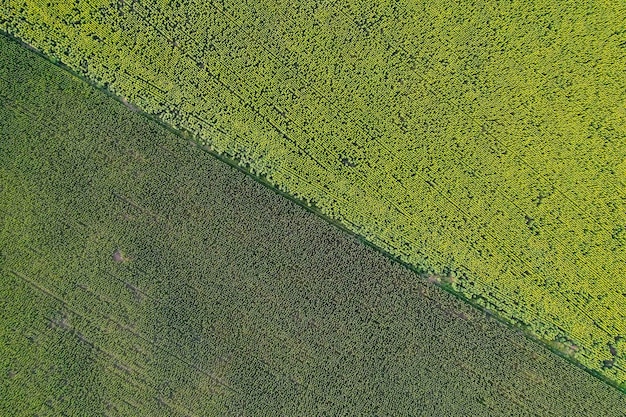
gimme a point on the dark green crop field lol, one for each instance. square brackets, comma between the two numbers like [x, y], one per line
[139, 275]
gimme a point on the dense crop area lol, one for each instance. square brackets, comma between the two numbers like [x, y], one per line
[141, 276]
[483, 139]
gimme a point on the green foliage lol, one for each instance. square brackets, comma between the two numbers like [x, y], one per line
[141, 276]
[483, 137]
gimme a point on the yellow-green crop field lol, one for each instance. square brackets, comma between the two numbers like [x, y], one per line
[481, 142]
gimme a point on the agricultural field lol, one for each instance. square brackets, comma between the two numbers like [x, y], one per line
[140, 275]
[482, 142]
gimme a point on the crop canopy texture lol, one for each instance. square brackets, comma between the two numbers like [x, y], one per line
[483, 142]
[141, 276]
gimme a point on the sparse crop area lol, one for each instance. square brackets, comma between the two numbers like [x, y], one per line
[483, 141]
[139, 275]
